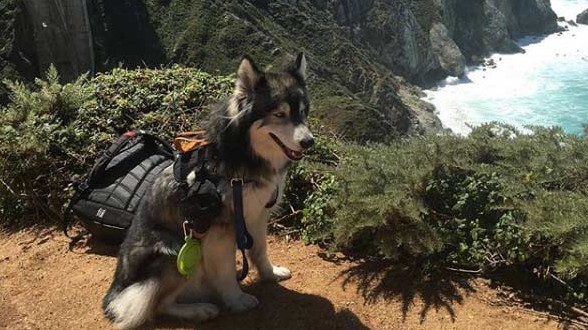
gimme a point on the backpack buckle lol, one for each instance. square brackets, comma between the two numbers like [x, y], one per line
[82, 186]
[235, 181]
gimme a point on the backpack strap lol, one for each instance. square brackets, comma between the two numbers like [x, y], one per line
[108, 155]
[185, 162]
[118, 145]
[68, 217]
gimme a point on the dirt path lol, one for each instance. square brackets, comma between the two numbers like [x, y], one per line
[44, 286]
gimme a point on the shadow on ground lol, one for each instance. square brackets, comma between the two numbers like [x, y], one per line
[88, 244]
[408, 284]
[280, 308]
[543, 296]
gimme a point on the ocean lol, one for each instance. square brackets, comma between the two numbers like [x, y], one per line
[546, 86]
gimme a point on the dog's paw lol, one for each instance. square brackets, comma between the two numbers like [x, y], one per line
[198, 312]
[242, 303]
[277, 274]
[205, 312]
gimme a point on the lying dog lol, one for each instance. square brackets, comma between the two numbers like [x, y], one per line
[255, 134]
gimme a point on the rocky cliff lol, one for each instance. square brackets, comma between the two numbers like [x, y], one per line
[428, 39]
[365, 55]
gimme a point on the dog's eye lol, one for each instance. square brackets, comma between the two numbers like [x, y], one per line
[280, 115]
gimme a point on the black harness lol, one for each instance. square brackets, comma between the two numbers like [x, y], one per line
[201, 201]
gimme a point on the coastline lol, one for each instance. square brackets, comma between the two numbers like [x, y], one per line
[517, 88]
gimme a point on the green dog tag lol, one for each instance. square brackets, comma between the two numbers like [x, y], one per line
[189, 256]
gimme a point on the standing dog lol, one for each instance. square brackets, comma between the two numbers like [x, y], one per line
[256, 134]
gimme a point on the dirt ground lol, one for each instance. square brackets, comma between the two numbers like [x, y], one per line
[45, 286]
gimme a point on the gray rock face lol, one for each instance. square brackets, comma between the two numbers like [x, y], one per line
[424, 40]
[450, 57]
[393, 31]
[483, 27]
[534, 17]
[582, 17]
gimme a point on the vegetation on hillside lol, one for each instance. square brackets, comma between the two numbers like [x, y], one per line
[497, 199]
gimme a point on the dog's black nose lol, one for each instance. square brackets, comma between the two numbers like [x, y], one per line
[307, 142]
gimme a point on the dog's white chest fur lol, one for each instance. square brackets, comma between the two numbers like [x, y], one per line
[255, 199]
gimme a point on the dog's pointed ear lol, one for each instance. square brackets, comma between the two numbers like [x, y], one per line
[300, 66]
[248, 75]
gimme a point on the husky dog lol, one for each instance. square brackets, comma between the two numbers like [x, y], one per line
[255, 134]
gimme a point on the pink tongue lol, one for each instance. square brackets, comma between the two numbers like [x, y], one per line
[295, 154]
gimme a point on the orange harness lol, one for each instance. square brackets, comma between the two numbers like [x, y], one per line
[188, 141]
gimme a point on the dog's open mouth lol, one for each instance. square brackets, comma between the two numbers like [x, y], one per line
[291, 154]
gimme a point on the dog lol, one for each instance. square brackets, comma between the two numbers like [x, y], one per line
[256, 133]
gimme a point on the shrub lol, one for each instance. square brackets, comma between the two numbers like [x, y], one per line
[311, 187]
[40, 146]
[496, 199]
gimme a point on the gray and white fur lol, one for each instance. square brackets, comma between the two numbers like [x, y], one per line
[256, 134]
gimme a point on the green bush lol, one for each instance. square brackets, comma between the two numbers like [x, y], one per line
[311, 187]
[493, 200]
[53, 132]
[40, 146]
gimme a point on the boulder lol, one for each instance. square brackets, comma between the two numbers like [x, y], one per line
[582, 17]
[450, 57]
[534, 17]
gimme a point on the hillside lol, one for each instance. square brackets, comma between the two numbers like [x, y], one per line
[365, 56]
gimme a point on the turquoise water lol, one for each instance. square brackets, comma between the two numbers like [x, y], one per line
[547, 86]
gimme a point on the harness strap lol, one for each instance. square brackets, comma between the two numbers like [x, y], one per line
[272, 202]
[68, 220]
[242, 236]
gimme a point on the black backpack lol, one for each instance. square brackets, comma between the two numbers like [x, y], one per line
[107, 199]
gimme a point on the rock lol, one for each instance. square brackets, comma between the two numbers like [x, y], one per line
[572, 23]
[476, 60]
[534, 17]
[582, 17]
[561, 19]
[391, 28]
[450, 57]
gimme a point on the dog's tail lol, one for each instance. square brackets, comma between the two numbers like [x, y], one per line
[132, 306]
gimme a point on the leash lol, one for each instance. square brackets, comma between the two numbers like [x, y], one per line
[242, 236]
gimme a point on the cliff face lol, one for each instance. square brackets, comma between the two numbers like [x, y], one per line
[425, 40]
[482, 27]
